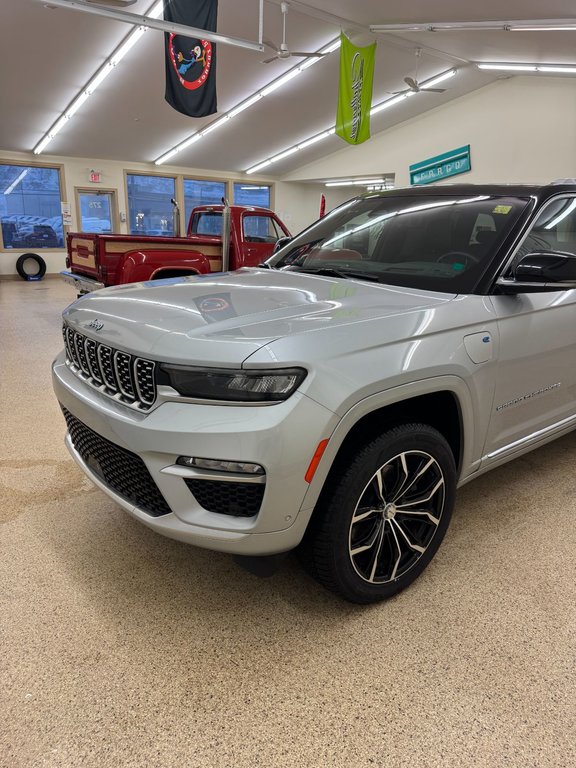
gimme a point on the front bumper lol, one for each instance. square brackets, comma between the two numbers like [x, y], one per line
[80, 283]
[281, 438]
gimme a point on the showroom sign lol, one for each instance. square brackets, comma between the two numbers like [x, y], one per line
[441, 167]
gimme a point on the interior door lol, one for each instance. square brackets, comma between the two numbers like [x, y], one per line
[97, 210]
[536, 380]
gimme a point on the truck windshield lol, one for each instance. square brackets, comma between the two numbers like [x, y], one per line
[437, 242]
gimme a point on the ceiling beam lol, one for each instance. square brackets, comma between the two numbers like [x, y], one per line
[150, 23]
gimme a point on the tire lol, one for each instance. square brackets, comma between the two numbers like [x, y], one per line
[367, 542]
[23, 263]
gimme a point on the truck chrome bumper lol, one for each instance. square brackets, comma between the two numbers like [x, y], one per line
[82, 284]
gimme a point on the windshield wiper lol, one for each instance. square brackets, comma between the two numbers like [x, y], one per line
[331, 272]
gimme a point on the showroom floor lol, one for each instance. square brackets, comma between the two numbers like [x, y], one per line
[121, 648]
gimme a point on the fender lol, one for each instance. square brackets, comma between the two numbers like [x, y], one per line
[140, 265]
[449, 383]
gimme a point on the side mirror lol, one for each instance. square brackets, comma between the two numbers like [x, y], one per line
[546, 267]
[540, 271]
[281, 242]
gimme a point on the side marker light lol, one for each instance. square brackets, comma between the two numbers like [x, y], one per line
[310, 472]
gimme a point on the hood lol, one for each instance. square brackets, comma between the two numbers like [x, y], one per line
[221, 319]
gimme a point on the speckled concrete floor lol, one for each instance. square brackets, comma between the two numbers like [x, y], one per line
[120, 648]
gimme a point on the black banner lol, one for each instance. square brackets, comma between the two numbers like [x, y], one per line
[190, 61]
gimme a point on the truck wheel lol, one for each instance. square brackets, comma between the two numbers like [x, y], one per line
[383, 519]
[25, 266]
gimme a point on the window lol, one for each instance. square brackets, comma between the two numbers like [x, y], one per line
[205, 223]
[438, 242]
[553, 230]
[252, 194]
[30, 207]
[198, 192]
[149, 204]
[260, 229]
[96, 211]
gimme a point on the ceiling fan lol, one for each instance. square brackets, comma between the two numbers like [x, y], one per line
[282, 50]
[412, 82]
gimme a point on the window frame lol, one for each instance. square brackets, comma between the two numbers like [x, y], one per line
[506, 270]
[115, 211]
[59, 167]
[178, 190]
[187, 177]
[241, 182]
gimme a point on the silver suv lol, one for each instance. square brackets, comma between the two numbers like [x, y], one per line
[334, 398]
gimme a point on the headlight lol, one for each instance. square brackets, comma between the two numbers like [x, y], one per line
[238, 385]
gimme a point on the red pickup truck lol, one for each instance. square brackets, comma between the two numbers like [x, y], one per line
[219, 238]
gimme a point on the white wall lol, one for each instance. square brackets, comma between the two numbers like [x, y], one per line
[296, 203]
[519, 129]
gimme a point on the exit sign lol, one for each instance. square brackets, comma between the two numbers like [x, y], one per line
[96, 176]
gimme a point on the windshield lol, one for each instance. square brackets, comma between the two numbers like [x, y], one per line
[436, 242]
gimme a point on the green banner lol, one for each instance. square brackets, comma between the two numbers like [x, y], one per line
[355, 91]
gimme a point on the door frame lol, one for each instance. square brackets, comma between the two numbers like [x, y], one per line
[99, 191]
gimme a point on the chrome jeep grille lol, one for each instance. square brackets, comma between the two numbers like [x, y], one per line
[128, 378]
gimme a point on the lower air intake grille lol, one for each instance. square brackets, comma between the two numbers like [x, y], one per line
[122, 471]
[236, 499]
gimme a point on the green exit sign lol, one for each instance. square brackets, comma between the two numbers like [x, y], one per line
[441, 167]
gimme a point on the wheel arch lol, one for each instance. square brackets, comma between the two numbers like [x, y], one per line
[440, 410]
[154, 264]
[441, 407]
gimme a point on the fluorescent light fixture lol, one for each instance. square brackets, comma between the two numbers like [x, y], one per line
[568, 69]
[76, 104]
[315, 139]
[292, 150]
[245, 105]
[519, 25]
[355, 183]
[568, 27]
[99, 78]
[435, 80]
[259, 166]
[509, 67]
[286, 153]
[331, 47]
[129, 41]
[213, 126]
[281, 81]
[388, 103]
[557, 68]
[127, 45]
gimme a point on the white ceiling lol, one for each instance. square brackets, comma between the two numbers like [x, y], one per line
[48, 55]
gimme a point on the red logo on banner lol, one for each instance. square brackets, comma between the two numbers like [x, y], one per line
[193, 68]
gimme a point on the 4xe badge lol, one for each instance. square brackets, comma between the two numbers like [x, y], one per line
[96, 324]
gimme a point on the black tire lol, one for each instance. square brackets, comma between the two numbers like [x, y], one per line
[23, 264]
[362, 544]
